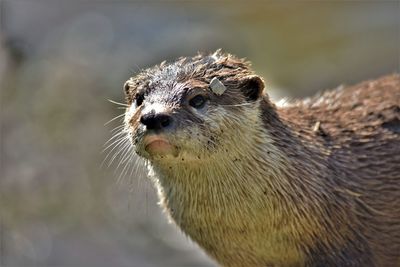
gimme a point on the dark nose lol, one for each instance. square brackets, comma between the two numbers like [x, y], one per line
[156, 121]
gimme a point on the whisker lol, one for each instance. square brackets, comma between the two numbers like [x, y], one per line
[119, 151]
[106, 158]
[139, 167]
[135, 166]
[121, 135]
[118, 128]
[121, 143]
[138, 69]
[238, 105]
[122, 175]
[117, 135]
[124, 155]
[125, 168]
[118, 103]
[119, 116]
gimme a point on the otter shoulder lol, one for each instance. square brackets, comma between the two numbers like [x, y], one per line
[364, 109]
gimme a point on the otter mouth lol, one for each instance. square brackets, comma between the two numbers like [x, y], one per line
[158, 145]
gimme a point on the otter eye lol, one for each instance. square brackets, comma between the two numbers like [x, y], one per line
[198, 101]
[139, 99]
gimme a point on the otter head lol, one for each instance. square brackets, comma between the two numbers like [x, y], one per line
[192, 109]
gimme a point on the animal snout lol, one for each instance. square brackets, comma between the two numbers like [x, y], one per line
[156, 121]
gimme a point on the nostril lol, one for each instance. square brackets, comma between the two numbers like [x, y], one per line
[144, 119]
[165, 121]
[156, 121]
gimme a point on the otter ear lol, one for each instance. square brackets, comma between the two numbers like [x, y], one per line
[126, 88]
[252, 87]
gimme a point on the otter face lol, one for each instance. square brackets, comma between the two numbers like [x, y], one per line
[174, 114]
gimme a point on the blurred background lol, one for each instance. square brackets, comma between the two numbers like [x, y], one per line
[61, 60]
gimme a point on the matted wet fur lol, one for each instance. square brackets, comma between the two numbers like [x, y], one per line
[315, 182]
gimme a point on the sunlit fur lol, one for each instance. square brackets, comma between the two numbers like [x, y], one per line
[258, 186]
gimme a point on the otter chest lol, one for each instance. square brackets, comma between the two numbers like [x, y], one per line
[234, 230]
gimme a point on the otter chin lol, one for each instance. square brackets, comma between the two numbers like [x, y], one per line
[158, 146]
[312, 183]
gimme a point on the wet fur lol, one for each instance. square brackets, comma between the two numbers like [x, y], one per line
[314, 183]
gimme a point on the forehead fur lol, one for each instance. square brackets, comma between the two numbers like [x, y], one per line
[226, 67]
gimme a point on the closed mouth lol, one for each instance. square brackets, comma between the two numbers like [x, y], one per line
[158, 145]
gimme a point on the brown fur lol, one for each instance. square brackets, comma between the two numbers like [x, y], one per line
[313, 183]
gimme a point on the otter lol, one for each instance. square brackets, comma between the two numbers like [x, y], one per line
[314, 182]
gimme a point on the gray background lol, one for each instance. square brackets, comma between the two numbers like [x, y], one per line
[61, 60]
